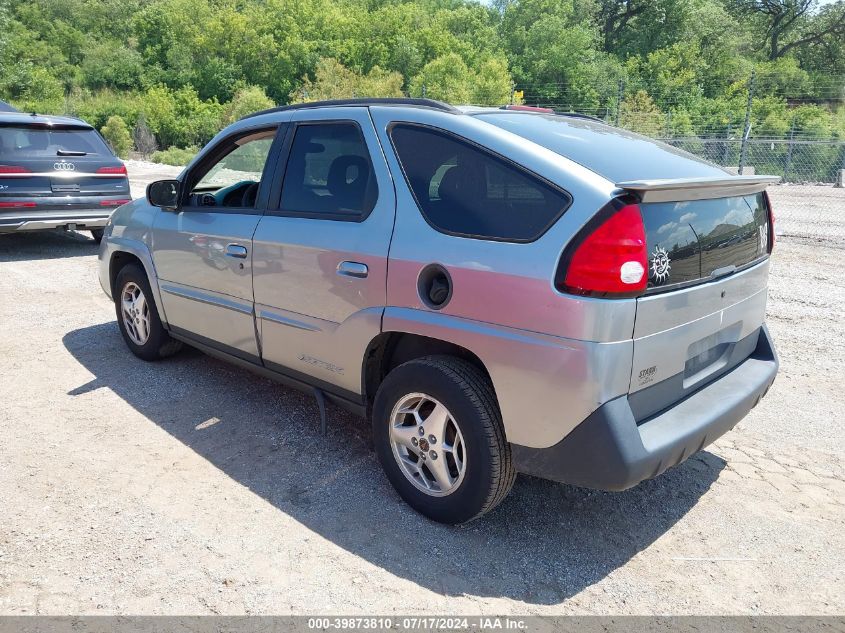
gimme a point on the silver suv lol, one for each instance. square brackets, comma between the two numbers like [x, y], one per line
[500, 290]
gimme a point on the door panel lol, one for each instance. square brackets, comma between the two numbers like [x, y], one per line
[203, 253]
[320, 277]
[206, 291]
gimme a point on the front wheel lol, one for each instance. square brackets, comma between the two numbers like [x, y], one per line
[138, 318]
[439, 436]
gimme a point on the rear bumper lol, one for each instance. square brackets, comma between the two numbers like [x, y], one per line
[65, 221]
[610, 451]
[75, 212]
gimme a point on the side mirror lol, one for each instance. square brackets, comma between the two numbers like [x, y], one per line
[164, 194]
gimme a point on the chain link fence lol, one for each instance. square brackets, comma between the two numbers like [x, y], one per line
[811, 162]
[807, 203]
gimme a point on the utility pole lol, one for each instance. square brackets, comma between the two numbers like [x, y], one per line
[788, 162]
[747, 128]
[619, 94]
[726, 155]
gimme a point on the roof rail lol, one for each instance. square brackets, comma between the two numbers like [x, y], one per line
[397, 101]
[579, 115]
[543, 110]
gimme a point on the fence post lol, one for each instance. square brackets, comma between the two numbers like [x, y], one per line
[747, 128]
[788, 161]
[726, 154]
[619, 94]
[423, 94]
[513, 90]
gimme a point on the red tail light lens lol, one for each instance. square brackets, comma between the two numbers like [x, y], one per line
[113, 170]
[13, 169]
[771, 220]
[113, 203]
[611, 260]
[16, 205]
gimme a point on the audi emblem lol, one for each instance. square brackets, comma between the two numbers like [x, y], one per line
[63, 166]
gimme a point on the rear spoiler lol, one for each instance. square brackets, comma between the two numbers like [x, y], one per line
[680, 189]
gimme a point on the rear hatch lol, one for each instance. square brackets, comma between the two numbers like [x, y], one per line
[708, 239]
[707, 236]
[705, 302]
[57, 166]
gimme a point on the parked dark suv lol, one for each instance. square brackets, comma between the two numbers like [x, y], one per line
[57, 172]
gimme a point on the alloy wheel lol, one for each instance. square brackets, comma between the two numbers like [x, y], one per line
[136, 313]
[427, 444]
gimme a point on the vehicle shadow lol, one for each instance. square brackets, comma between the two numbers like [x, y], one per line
[32, 245]
[545, 543]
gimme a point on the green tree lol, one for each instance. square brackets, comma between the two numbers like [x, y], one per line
[493, 82]
[110, 65]
[446, 78]
[246, 101]
[116, 132]
[639, 113]
[334, 81]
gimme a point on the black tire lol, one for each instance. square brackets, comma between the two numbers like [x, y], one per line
[159, 344]
[97, 234]
[468, 395]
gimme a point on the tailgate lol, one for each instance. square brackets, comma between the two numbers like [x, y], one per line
[39, 161]
[705, 304]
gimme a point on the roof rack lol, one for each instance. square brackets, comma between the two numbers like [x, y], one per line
[397, 101]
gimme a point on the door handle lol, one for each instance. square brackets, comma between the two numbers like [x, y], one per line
[353, 269]
[236, 250]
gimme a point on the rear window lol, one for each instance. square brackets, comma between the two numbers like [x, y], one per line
[465, 190]
[36, 142]
[616, 154]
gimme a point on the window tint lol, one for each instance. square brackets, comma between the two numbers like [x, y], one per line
[35, 142]
[233, 180]
[329, 173]
[463, 189]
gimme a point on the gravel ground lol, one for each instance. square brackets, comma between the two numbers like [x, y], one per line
[188, 487]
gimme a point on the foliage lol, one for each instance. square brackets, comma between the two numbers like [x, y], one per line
[639, 113]
[175, 156]
[246, 101]
[333, 80]
[116, 133]
[187, 68]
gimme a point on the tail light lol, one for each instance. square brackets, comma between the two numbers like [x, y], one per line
[113, 170]
[113, 203]
[771, 220]
[13, 169]
[609, 257]
[16, 205]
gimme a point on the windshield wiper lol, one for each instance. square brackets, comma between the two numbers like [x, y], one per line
[70, 152]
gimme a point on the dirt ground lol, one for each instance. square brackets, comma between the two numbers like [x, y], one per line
[188, 487]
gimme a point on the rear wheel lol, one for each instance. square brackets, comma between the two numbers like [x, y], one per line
[97, 234]
[439, 436]
[138, 318]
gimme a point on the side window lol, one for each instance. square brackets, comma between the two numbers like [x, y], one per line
[462, 189]
[329, 173]
[232, 179]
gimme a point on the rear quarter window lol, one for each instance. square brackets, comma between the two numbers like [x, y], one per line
[465, 190]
